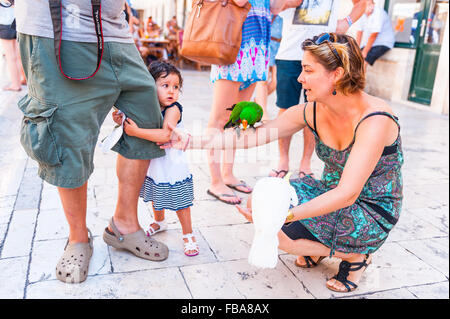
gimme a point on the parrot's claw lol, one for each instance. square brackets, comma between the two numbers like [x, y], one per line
[238, 131]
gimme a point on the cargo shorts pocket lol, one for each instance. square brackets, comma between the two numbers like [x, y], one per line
[36, 134]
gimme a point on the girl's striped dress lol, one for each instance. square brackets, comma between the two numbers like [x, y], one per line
[168, 183]
[253, 58]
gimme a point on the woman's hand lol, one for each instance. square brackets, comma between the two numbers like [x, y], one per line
[246, 212]
[117, 117]
[130, 127]
[178, 139]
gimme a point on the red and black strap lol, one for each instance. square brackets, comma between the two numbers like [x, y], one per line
[56, 14]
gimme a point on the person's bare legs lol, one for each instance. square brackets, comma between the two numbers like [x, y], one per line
[226, 93]
[131, 174]
[308, 149]
[261, 93]
[23, 79]
[272, 86]
[12, 64]
[283, 147]
[74, 202]
[228, 158]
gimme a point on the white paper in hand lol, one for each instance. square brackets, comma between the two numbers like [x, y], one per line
[108, 142]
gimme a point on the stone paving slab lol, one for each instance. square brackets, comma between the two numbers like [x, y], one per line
[432, 251]
[124, 261]
[432, 291]
[148, 284]
[20, 234]
[237, 279]
[13, 274]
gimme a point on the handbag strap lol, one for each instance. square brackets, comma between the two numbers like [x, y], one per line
[55, 11]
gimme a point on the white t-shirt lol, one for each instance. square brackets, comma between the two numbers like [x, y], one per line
[311, 18]
[378, 22]
[6, 15]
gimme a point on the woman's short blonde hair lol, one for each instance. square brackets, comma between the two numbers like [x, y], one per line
[340, 51]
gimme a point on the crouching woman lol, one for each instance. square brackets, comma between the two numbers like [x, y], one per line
[350, 211]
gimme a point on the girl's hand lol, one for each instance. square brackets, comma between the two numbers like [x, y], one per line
[130, 127]
[117, 117]
[246, 212]
[178, 139]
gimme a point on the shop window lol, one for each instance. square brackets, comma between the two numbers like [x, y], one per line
[406, 17]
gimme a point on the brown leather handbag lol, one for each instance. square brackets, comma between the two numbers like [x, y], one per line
[213, 31]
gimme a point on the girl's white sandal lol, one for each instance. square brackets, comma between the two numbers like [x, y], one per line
[190, 245]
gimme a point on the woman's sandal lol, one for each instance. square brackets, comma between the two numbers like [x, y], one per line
[344, 268]
[73, 266]
[310, 263]
[191, 245]
[162, 227]
[137, 243]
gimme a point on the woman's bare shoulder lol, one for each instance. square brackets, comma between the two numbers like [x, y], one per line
[377, 104]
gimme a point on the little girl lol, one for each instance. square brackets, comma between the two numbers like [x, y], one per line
[168, 183]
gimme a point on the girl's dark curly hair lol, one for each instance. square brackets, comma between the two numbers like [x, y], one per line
[161, 69]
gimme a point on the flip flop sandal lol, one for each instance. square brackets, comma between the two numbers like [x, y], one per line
[73, 265]
[137, 243]
[344, 268]
[162, 227]
[223, 195]
[241, 184]
[282, 171]
[302, 174]
[190, 245]
[310, 263]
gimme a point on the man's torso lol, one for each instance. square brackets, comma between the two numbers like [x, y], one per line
[33, 18]
[311, 18]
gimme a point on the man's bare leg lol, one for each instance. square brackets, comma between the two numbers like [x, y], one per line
[74, 202]
[131, 174]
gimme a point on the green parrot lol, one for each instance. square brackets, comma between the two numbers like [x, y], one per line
[247, 113]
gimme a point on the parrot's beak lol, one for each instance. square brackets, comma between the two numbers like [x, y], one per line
[244, 124]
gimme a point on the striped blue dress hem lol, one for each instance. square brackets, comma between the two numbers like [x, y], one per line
[168, 196]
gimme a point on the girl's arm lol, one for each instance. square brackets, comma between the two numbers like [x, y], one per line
[373, 134]
[162, 135]
[287, 124]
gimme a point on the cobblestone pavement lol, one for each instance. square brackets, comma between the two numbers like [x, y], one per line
[413, 263]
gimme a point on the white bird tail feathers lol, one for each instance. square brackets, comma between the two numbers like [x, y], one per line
[264, 251]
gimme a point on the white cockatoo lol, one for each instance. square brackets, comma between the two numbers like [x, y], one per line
[271, 200]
